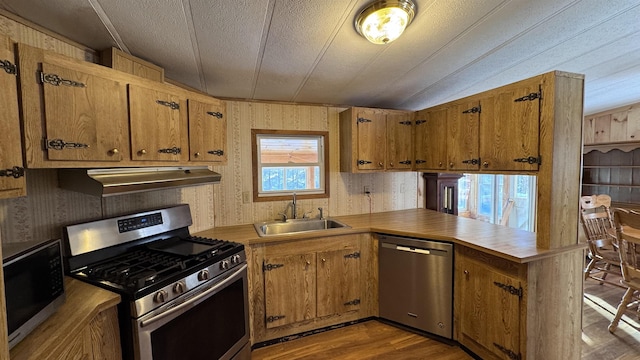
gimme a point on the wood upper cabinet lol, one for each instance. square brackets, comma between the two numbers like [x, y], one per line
[616, 126]
[12, 180]
[207, 131]
[338, 276]
[490, 305]
[85, 115]
[74, 114]
[431, 138]
[399, 142]
[462, 135]
[510, 127]
[158, 121]
[121, 61]
[375, 140]
[290, 289]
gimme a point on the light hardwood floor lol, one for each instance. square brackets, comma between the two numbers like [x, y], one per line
[376, 340]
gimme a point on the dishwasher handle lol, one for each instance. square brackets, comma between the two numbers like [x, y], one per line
[413, 249]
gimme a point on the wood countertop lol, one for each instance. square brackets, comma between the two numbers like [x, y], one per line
[505, 242]
[83, 302]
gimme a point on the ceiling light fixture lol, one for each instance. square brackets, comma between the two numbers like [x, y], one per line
[383, 21]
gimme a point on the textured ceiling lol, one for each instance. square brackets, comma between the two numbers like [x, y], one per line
[308, 51]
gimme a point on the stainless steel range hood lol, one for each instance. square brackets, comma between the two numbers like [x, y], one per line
[109, 182]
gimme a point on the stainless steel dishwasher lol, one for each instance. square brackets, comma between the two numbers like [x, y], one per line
[416, 283]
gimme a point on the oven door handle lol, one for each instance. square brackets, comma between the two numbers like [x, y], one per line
[193, 300]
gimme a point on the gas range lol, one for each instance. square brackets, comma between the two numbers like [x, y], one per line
[149, 258]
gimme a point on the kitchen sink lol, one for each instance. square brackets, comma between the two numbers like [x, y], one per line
[290, 226]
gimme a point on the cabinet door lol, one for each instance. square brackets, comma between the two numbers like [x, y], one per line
[12, 182]
[85, 115]
[371, 140]
[510, 128]
[207, 131]
[489, 313]
[430, 139]
[158, 124]
[462, 136]
[399, 136]
[290, 289]
[338, 281]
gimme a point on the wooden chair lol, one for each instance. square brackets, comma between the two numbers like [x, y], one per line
[598, 228]
[627, 225]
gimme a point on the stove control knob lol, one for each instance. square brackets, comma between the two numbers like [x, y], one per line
[235, 259]
[160, 297]
[178, 288]
[224, 264]
[203, 275]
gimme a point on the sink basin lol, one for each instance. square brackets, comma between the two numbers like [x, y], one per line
[290, 226]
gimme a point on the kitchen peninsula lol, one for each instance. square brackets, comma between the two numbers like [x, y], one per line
[480, 249]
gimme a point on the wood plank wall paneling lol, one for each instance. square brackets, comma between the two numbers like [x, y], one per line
[42, 214]
[390, 191]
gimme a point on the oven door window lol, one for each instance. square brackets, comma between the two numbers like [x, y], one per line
[215, 328]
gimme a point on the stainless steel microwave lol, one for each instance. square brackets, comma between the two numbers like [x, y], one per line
[33, 283]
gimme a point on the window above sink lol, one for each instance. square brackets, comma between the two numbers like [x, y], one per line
[287, 162]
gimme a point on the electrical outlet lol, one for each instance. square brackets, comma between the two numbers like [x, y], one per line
[367, 190]
[246, 197]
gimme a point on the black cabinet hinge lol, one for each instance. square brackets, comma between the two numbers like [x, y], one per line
[15, 172]
[405, 162]
[215, 114]
[355, 255]
[420, 161]
[471, 161]
[172, 150]
[55, 80]
[362, 162]
[512, 355]
[274, 318]
[404, 122]
[530, 97]
[530, 160]
[363, 120]
[418, 122]
[171, 104]
[216, 152]
[473, 110]
[510, 288]
[8, 67]
[352, 302]
[59, 144]
[269, 267]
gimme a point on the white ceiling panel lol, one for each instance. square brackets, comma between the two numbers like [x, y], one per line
[230, 37]
[308, 50]
[157, 31]
[75, 19]
[284, 68]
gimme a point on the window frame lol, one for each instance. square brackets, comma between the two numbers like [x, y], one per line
[287, 195]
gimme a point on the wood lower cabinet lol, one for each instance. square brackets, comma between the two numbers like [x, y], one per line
[12, 180]
[289, 289]
[490, 293]
[375, 140]
[298, 286]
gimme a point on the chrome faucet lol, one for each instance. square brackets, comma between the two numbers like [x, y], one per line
[293, 207]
